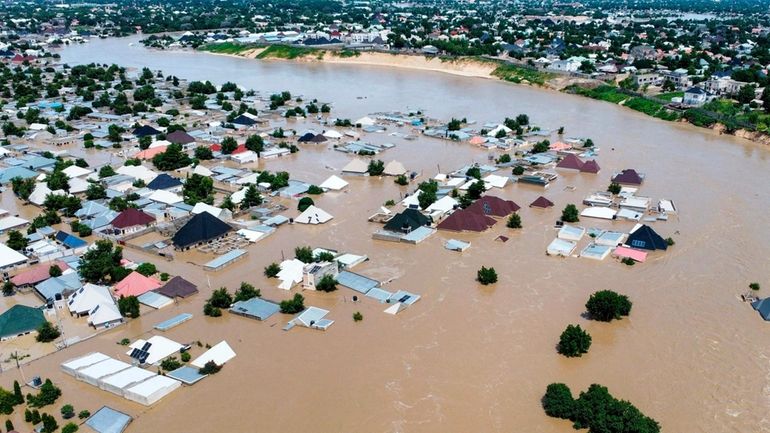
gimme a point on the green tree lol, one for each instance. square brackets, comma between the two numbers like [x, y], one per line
[304, 254]
[106, 171]
[327, 283]
[746, 94]
[228, 145]
[96, 191]
[54, 271]
[47, 395]
[23, 188]
[128, 306]
[357, 316]
[83, 414]
[16, 240]
[558, 401]
[173, 158]
[246, 291]
[251, 197]
[518, 170]
[514, 221]
[606, 305]
[476, 189]
[272, 270]
[58, 180]
[376, 167]
[47, 332]
[147, 269]
[198, 188]
[304, 203]
[255, 144]
[570, 214]
[428, 191]
[614, 188]
[97, 263]
[67, 411]
[486, 275]
[293, 305]
[221, 298]
[145, 142]
[203, 153]
[70, 427]
[49, 423]
[210, 367]
[574, 341]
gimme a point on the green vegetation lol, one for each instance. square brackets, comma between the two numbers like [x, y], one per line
[47, 395]
[98, 263]
[570, 214]
[650, 108]
[227, 48]
[327, 284]
[210, 367]
[574, 341]
[304, 203]
[603, 93]
[486, 276]
[514, 221]
[272, 270]
[357, 316]
[170, 364]
[669, 96]
[47, 332]
[606, 306]
[304, 254]
[520, 74]
[147, 269]
[128, 306]
[293, 305]
[67, 411]
[614, 188]
[246, 291]
[219, 299]
[596, 410]
[376, 167]
[754, 286]
[288, 52]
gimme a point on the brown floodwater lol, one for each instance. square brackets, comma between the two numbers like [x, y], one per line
[467, 357]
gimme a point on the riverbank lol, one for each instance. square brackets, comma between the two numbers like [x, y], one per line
[476, 67]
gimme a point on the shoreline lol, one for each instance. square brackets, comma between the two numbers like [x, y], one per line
[462, 67]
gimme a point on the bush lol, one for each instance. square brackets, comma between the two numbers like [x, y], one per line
[170, 364]
[315, 190]
[164, 276]
[69, 428]
[518, 170]
[570, 214]
[670, 242]
[293, 305]
[210, 367]
[304, 254]
[67, 411]
[147, 269]
[220, 298]
[211, 311]
[272, 270]
[246, 291]
[186, 356]
[574, 341]
[614, 188]
[47, 332]
[754, 286]
[357, 316]
[514, 221]
[401, 180]
[376, 167]
[628, 261]
[83, 414]
[486, 276]
[327, 284]
[558, 401]
[128, 306]
[304, 203]
[606, 305]
[47, 395]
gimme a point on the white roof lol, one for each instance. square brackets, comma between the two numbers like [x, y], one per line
[468, 184]
[598, 212]
[105, 312]
[203, 171]
[313, 215]
[394, 168]
[334, 183]
[88, 297]
[245, 157]
[159, 143]
[365, 121]
[220, 354]
[166, 197]
[75, 171]
[137, 172]
[444, 204]
[103, 368]
[41, 192]
[201, 207]
[251, 235]
[11, 222]
[128, 377]
[356, 166]
[10, 257]
[152, 389]
[332, 134]
[290, 273]
[160, 348]
[85, 361]
[78, 185]
[496, 181]
[497, 129]
[250, 178]
[455, 181]
[238, 196]
[411, 200]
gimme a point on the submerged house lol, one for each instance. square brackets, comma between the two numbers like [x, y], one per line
[493, 206]
[466, 220]
[19, 320]
[202, 227]
[628, 176]
[131, 220]
[645, 238]
[406, 221]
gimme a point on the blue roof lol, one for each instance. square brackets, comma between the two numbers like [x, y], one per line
[174, 321]
[51, 287]
[91, 208]
[763, 308]
[69, 240]
[357, 282]
[225, 259]
[108, 420]
[36, 162]
[186, 374]
[379, 294]
[255, 307]
[11, 172]
[406, 298]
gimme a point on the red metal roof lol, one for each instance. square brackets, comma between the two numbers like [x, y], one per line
[493, 206]
[465, 220]
[132, 217]
[37, 274]
[541, 202]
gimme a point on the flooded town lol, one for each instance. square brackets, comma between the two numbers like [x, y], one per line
[373, 236]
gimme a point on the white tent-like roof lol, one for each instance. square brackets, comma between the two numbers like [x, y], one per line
[411, 200]
[599, 212]
[152, 389]
[220, 354]
[202, 171]
[442, 205]
[127, 378]
[87, 297]
[93, 373]
[332, 134]
[251, 178]
[496, 181]
[394, 168]
[356, 166]
[313, 215]
[365, 121]
[213, 210]
[238, 196]
[75, 171]
[41, 191]
[334, 183]
[73, 365]
[11, 222]
[10, 257]
[290, 273]
[159, 143]
[106, 312]
[138, 172]
[78, 185]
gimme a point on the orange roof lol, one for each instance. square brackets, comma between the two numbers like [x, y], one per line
[477, 140]
[135, 284]
[149, 153]
[559, 145]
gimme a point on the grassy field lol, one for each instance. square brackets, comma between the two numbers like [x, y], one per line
[671, 95]
[518, 74]
[602, 93]
[227, 48]
[287, 52]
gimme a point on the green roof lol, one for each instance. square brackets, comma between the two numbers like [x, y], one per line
[20, 319]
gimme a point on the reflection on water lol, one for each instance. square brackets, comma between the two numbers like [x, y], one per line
[467, 358]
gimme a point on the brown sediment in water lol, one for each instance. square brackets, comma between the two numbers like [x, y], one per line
[473, 358]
